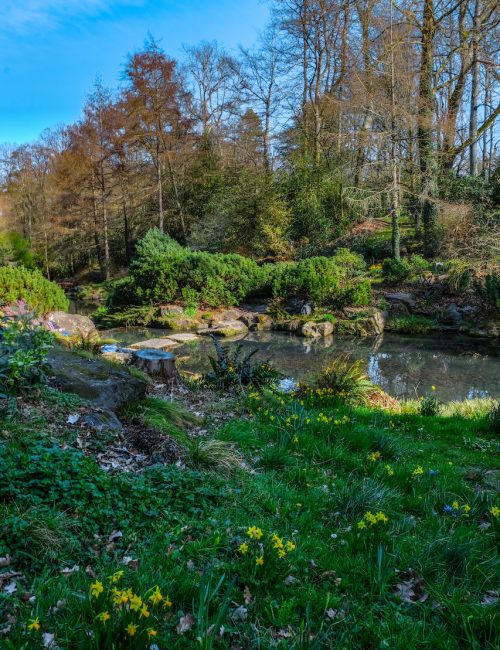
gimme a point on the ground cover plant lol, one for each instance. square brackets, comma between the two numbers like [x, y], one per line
[333, 526]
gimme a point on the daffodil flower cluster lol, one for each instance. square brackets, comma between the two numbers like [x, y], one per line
[370, 520]
[125, 603]
[263, 548]
[374, 456]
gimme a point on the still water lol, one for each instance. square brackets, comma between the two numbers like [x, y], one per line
[405, 366]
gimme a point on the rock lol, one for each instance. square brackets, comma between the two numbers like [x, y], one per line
[227, 328]
[451, 316]
[169, 310]
[255, 321]
[293, 306]
[102, 420]
[306, 309]
[183, 337]
[154, 344]
[317, 328]
[405, 298]
[292, 325]
[71, 324]
[362, 321]
[120, 356]
[181, 323]
[156, 363]
[399, 309]
[226, 315]
[96, 380]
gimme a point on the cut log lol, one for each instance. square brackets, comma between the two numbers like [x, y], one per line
[156, 363]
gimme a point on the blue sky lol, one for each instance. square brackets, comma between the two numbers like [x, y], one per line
[52, 51]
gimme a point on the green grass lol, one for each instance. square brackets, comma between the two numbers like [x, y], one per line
[311, 470]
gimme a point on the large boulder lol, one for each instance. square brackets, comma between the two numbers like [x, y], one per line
[257, 321]
[362, 321]
[102, 383]
[405, 298]
[71, 324]
[291, 325]
[227, 328]
[317, 329]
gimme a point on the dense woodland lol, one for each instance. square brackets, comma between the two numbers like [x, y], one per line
[345, 112]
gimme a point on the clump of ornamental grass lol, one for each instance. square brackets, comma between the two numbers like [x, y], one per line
[213, 455]
[346, 379]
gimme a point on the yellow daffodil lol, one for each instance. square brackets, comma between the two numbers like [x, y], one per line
[131, 629]
[281, 553]
[495, 511]
[466, 508]
[418, 471]
[167, 602]
[259, 561]
[103, 617]
[389, 470]
[156, 597]
[243, 548]
[254, 533]
[135, 603]
[151, 632]
[455, 505]
[374, 456]
[34, 625]
[116, 576]
[381, 517]
[96, 588]
[290, 546]
[144, 613]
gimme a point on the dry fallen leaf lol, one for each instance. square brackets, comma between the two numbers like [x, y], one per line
[130, 562]
[48, 640]
[411, 590]
[185, 624]
[10, 588]
[68, 571]
[5, 561]
[247, 596]
[239, 614]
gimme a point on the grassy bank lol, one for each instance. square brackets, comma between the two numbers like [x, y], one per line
[329, 527]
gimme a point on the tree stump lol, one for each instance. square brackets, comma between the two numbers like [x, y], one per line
[156, 363]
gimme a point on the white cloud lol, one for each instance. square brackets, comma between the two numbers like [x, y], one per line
[20, 16]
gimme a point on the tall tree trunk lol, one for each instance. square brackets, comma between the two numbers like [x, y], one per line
[428, 165]
[474, 99]
[395, 239]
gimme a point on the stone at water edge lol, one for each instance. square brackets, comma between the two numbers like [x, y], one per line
[227, 328]
[317, 328]
[71, 324]
[154, 344]
[183, 337]
[96, 380]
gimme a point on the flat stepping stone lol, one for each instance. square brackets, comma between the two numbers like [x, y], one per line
[183, 337]
[154, 344]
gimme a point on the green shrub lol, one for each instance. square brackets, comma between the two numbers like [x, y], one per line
[360, 295]
[14, 248]
[19, 283]
[489, 289]
[494, 418]
[233, 371]
[24, 345]
[411, 324]
[460, 275]
[429, 406]
[346, 379]
[395, 271]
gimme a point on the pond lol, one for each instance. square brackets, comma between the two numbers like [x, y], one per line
[405, 366]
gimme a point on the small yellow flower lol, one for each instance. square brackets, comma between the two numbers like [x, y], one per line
[466, 508]
[418, 471]
[131, 629]
[144, 613]
[381, 517]
[299, 505]
[156, 597]
[103, 617]
[167, 602]
[135, 603]
[295, 439]
[361, 525]
[290, 546]
[389, 470]
[370, 518]
[455, 505]
[433, 388]
[495, 511]
[281, 553]
[151, 632]
[96, 588]
[374, 456]
[34, 624]
[259, 561]
[243, 548]
[116, 576]
[254, 533]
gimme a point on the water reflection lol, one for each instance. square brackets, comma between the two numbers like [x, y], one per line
[460, 367]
